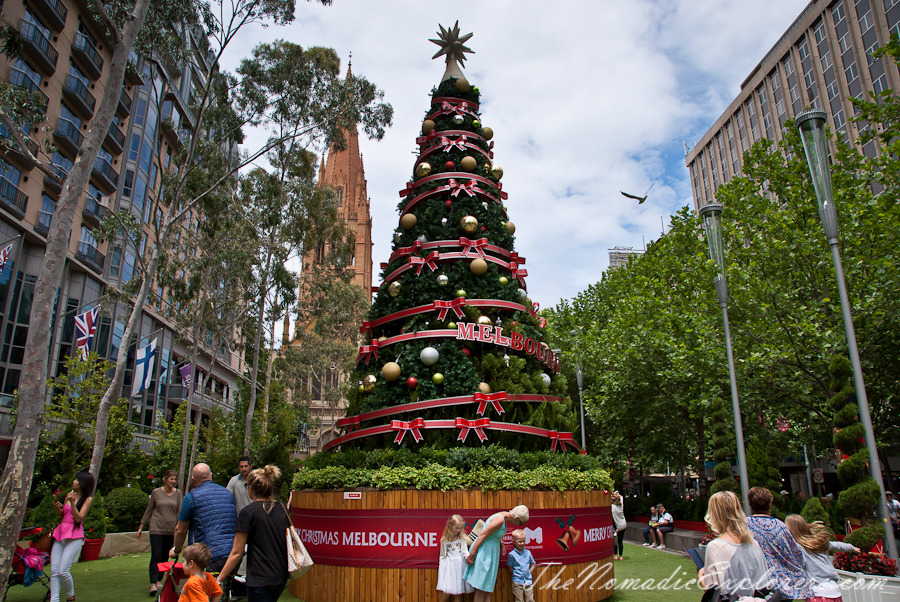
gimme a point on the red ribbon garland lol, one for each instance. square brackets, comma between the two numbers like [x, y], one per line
[494, 399]
[456, 305]
[412, 426]
[423, 261]
[451, 109]
[475, 425]
[562, 439]
[415, 248]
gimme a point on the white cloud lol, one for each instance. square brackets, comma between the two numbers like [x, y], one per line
[586, 98]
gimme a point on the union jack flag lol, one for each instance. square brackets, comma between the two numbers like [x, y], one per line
[86, 325]
[4, 255]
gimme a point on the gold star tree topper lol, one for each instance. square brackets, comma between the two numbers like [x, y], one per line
[451, 44]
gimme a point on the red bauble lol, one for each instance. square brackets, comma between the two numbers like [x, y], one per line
[449, 203]
[449, 166]
[484, 228]
[411, 382]
[466, 351]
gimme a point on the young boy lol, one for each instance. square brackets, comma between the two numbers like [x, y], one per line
[201, 586]
[521, 562]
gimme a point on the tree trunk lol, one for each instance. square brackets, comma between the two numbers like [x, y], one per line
[182, 469]
[269, 364]
[683, 477]
[17, 476]
[701, 456]
[254, 372]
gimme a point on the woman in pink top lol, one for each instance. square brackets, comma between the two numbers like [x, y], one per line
[69, 535]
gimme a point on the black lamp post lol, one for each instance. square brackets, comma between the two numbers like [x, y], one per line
[812, 132]
[579, 377]
[712, 224]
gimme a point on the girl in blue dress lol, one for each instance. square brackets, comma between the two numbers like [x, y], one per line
[484, 555]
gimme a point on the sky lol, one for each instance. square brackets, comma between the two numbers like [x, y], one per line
[586, 98]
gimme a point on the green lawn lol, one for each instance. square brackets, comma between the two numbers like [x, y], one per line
[125, 578]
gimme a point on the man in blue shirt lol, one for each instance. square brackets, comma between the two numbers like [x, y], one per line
[521, 562]
[208, 513]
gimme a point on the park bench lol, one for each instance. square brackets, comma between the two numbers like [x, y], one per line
[687, 534]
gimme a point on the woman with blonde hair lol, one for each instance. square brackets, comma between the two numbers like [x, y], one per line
[815, 543]
[261, 527]
[484, 555]
[734, 561]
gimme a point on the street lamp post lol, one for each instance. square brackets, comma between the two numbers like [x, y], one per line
[579, 377]
[712, 224]
[812, 132]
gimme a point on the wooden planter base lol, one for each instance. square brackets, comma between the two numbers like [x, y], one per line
[582, 582]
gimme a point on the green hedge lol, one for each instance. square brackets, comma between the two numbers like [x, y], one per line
[125, 506]
[489, 468]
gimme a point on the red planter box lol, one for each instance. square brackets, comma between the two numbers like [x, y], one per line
[91, 549]
[691, 525]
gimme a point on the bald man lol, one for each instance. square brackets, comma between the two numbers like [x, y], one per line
[208, 515]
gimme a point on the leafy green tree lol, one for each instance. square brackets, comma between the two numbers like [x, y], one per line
[813, 511]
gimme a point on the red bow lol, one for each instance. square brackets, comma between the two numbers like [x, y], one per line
[422, 261]
[352, 422]
[456, 305]
[542, 322]
[470, 188]
[494, 399]
[404, 251]
[562, 438]
[367, 351]
[468, 245]
[449, 144]
[476, 425]
[412, 426]
[459, 109]
[366, 326]
[517, 272]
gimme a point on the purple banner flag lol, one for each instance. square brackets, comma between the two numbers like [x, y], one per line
[187, 377]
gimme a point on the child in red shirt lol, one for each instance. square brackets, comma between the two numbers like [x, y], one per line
[201, 586]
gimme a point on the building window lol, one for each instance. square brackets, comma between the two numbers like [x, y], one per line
[839, 120]
[803, 50]
[844, 43]
[820, 32]
[851, 72]
[880, 84]
[826, 61]
[832, 90]
[866, 22]
[837, 12]
[46, 215]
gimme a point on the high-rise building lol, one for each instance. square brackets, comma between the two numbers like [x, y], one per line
[342, 170]
[823, 59]
[619, 256]
[67, 60]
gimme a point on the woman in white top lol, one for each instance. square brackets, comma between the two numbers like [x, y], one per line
[734, 561]
[618, 515]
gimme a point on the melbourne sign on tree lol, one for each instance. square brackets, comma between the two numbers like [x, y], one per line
[485, 333]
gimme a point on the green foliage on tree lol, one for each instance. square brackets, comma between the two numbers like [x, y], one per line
[96, 522]
[125, 506]
[813, 511]
[723, 449]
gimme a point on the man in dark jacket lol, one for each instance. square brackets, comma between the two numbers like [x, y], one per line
[208, 513]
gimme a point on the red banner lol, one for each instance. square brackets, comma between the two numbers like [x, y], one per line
[411, 538]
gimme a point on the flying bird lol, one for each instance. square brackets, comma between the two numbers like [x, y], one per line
[640, 199]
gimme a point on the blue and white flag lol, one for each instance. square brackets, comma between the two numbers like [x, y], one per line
[143, 368]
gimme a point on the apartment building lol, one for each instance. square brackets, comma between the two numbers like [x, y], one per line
[67, 61]
[822, 60]
[619, 256]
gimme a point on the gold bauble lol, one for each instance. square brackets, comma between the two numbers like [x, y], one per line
[461, 293]
[503, 281]
[451, 324]
[510, 227]
[437, 378]
[484, 388]
[484, 320]
[391, 371]
[394, 289]
[380, 339]
[427, 126]
[423, 169]
[468, 224]
[408, 221]
[369, 382]
[362, 389]
[462, 85]
[497, 171]
[488, 133]
[468, 163]
[478, 266]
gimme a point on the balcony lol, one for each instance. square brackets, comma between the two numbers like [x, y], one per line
[182, 106]
[21, 80]
[115, 140]
[16, 153]
[77, 93]
[132, 76]
[12, 199]
[105, 175]
[94, 212]
[88, 56]
[42, 226]
[123, 109]
[89, 254]
[52, 184]
[38, 48]
[67, 136]
[53, 11]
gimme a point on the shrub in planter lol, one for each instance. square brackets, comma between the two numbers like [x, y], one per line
[44, 515]
[125, 506]
[864, 563]
[95, 523]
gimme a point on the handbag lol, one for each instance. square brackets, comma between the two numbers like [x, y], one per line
[299, 560]
[46, 540]
[475, 532]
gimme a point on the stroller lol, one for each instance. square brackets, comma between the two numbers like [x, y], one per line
[171, 574]
[28, 564]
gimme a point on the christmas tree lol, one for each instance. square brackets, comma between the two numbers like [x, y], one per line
[452, 352]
